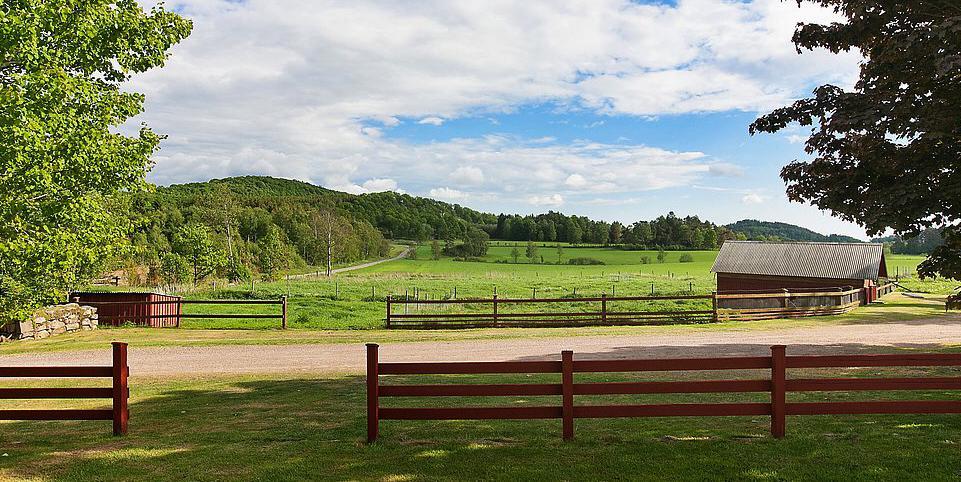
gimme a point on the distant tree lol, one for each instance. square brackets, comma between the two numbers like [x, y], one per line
[515, 254]
[531, 251]
[435, 250]
[686, 258]
[174, 269]
[615, 233]
[560, 253]
[661, 255]
[193, 242]
[645, 260]
[887, 155]
[63, 66]
[272, 256]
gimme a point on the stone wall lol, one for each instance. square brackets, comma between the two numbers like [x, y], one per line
[52, 320]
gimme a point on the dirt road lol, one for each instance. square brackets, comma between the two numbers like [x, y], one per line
[402, 255]
[344, 358]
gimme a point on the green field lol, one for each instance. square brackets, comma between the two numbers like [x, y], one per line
[355, 300]
[312, 428]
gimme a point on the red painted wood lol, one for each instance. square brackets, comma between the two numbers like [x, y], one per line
[710, 386]
[672, 410]
[373, 382]
[469, 367]
[874, 407]
[56, 372]
[470, 413]
[38, 393]
[479, 390]
[852, 384]
[121, 392]
[778, 391]
[105, 414]
[828, 361]
[567, 383]
[664, 364]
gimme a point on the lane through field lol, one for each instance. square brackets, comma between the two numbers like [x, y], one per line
[350, 358]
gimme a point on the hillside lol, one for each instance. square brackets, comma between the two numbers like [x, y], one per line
[768, 230]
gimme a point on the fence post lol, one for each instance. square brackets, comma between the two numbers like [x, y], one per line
[603, 307]
[283, 312]
[778, 391]
[567, 390]
[388, 311]
[714, 306]
[495, 308]
[121, 392]
[373, 409]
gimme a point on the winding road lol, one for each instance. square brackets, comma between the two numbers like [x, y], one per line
[402, 255]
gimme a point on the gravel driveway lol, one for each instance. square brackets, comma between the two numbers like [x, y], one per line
[349, 358]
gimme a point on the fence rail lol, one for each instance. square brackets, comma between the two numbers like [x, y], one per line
[724, 306]
[168, 311]
[777, 384]
[119, 392]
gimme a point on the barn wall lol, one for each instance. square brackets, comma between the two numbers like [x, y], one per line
[737, 282]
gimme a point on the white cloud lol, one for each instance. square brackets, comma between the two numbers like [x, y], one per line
[552, 200]
[796, 139]
[448, 194]
[753, 198]
[313, 95]
[467, 175]
[726, 169]
[575, 181]
[434, 121]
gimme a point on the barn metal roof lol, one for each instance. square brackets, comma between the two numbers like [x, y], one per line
[805, 260]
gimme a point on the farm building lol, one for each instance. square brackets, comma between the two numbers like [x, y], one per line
[764, 266]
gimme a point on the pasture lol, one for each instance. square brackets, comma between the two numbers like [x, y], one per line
[355, 299]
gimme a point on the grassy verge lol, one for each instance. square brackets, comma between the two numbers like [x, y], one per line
[246, 428]
[896, 308]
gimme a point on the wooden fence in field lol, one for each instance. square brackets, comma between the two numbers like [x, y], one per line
[777, 385]
[725, 306]
[158, 311]
[119, 392]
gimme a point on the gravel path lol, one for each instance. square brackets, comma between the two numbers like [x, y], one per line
[403, 254]
[349, 358]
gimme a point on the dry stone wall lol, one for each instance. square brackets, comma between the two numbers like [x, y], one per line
[52, 320]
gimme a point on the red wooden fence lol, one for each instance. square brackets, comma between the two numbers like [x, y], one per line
[119, 392]
[156, 310]
[778, 385]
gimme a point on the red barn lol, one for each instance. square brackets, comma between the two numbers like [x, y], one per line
[762, 266]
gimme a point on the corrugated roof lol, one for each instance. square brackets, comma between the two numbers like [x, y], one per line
[806, 260]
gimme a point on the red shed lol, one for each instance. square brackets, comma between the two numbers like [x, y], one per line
[116, 308]
[757, 266]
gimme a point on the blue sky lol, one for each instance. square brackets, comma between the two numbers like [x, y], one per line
[613, 109]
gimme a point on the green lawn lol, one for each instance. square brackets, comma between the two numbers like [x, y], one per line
[312, 428]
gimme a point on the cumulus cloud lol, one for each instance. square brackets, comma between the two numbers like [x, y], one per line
[753, 198]
[467, 175]
[312, 95]
[448, 194]
[434, 121]
[552, 200]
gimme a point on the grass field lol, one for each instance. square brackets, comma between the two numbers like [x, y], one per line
[355, 300]
[280, 428]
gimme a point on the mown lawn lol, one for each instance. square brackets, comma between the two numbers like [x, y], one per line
[312, 428]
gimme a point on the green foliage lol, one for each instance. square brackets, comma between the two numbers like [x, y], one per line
[645, 259]
[515, 254]
[474, 245]
[686, 258]
[583, 260]
[271, 253]
[661, 256]
[62, 66]
[193, 242]
[774, 231]
[174, 269]
[531, 251]
[435, 250]
[885, 155]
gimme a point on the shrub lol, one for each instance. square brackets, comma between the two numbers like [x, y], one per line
[645, 260]
[686, 258]
[584, 261]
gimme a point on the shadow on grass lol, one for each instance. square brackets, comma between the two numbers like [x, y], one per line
[313, 429]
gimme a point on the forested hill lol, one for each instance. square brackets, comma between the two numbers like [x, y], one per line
[767, 230]
[398, 216]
